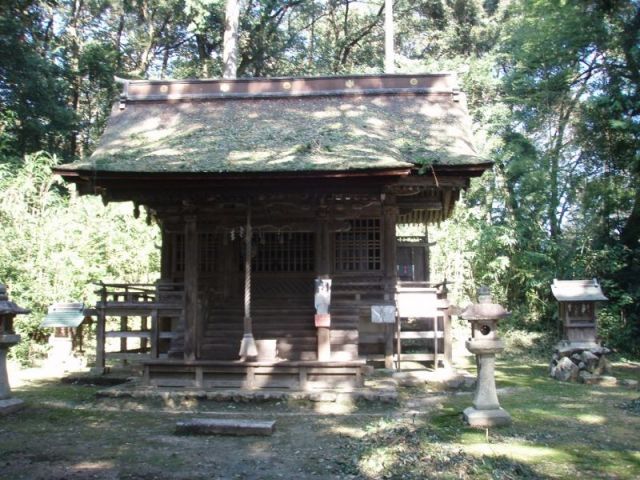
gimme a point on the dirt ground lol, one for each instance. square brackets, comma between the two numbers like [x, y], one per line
[66, 432]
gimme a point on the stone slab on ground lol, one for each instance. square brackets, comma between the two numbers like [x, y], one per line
[225, 426]
[486, 418]
[447, 379]
[10, 405]
[133, 390]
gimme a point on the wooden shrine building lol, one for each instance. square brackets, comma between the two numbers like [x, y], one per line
[261, 186]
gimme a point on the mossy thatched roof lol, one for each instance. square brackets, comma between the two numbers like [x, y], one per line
[324, 132]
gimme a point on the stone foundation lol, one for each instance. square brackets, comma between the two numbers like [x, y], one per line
[581, 363]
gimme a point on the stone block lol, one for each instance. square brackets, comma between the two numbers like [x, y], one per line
[486, 418]
[224, 426]
[10, 405]
[566, 370]
[603, 367]
[589, 360]
[585, 377]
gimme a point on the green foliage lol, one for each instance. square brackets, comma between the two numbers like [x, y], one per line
[55, 245]
[553, 89]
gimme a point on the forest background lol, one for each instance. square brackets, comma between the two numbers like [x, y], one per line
[552, 86]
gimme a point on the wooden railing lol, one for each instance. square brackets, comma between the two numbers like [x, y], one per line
[148, 313]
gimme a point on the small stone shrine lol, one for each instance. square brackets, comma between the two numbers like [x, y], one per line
[8, 338]
[485, 343]
[579, 356]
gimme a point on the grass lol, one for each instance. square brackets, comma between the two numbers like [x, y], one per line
[559, 431]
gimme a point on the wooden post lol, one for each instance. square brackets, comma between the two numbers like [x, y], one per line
[448, 356]
[435, 343]
[323, 268]
[144, 326]
[124, 325]
[165, 253]
[248, 346]
[100, 332]
[388, 345]
[446, 319]
[324, 344]
[398, 326]
[390, 216]
[190, 287]
[155, 334]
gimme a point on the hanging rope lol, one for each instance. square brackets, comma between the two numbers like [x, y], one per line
[247, 270]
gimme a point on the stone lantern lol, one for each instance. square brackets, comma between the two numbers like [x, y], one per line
[8, 338]
[484, 343]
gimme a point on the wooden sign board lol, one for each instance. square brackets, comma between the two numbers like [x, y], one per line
[417, 303]
[383, 314]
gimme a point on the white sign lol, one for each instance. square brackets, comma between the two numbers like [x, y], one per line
[417, 303]
[383, 314]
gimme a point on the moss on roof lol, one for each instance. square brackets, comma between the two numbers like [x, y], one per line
[332, 133]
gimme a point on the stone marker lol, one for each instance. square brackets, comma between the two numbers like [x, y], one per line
[225, 426]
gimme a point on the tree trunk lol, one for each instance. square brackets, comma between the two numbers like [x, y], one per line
[230, 47]
[630, 235]
[389, 56]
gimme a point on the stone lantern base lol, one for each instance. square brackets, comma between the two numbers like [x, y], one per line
[486, 418]
[10, 405]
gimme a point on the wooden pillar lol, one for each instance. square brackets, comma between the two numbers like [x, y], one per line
[323, 269]
[444, 307]
[165, 253]
[323, 245]
[191, 252]
[155, 334]
[100, 333]
[389, 219]
[448, 354]
[324, 344]
[248, 348]
[144, 326]
[124, 326]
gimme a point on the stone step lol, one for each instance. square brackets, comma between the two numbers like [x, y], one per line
[225, 426]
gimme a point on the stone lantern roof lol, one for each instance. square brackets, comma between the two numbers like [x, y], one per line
[485, 309]
[7, 307]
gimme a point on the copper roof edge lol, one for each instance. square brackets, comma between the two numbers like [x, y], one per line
[284, 87]
[103, 175]
[451, 74]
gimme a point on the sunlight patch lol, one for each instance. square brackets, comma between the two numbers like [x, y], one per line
[515, 451]
[347, 431]
[592, 419]
[93, 466]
